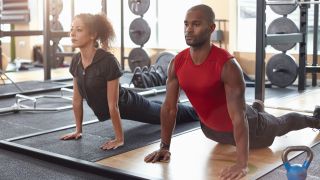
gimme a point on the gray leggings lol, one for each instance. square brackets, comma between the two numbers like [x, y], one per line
[264, 127]
[137, 108]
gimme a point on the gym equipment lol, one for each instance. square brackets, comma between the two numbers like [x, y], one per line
[139, 31]
[282, 25]
[147, 77]
[288, 2]
[14, 12]
[138, 57]
[164, 59]
[251, 82]
[19, 106]
[139, 7]
[282, 70]
[297, 171]
[284, 9]
[56, 7]
[141, 78]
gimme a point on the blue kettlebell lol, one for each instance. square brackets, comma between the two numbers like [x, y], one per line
[297, 171]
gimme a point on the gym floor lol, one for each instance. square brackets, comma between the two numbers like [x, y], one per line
[193, 155]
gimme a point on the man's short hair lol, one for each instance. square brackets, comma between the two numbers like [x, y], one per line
[210, 16]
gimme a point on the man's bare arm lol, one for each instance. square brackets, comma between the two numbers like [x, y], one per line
[168, 117]
[235, 94]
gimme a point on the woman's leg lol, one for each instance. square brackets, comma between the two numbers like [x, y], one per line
[135, 107]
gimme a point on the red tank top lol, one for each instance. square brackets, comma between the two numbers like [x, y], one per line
[204, 88]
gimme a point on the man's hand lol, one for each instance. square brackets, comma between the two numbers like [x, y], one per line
[161, 155]
[112, 144]
[233, 172]
[70, 136]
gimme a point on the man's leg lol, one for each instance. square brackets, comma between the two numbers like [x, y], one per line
[269, 126]
[295, 121]
[258, 105]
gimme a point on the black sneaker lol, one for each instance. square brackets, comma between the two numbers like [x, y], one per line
[316, 112]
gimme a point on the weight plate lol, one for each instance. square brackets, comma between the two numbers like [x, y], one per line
[56, 26]
[56, 7]
[139, 7]
[282, 25]
[282, 70]
[284, 9]
[138, 58]
[163, 60]
[139, 31]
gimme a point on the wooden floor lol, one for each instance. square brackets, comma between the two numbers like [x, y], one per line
[193, 156]
[196, 157]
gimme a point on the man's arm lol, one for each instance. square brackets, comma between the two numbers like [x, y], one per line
[168, 117]
[235, 94]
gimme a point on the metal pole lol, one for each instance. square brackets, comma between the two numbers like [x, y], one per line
[260, 50]
[315, 42]
[46, 40]
[104, 6]
[303, 47]
[122, 37]
[0, 55]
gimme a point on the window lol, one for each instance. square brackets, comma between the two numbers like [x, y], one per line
[165, 18]
[247, 26]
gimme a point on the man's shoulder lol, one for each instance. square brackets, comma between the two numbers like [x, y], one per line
[180, 56]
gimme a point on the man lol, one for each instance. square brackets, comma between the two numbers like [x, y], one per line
[213, 82]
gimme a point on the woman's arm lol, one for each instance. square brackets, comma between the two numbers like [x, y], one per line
[77, 105]
[113, 98]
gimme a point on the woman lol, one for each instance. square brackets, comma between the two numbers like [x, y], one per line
[96, 75]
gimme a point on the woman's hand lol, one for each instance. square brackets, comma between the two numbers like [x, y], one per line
[112, 144]
[70, 136]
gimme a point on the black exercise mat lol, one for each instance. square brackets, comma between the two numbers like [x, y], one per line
[313, 170]
[94, 135]
[16, 166]
[27, 87]
[23, 123]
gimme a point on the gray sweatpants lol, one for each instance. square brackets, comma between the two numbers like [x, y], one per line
[264, 127]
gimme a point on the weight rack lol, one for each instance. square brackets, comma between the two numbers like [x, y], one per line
[263, 39]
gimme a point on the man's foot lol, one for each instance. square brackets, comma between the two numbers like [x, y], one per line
[258, 105]
[316, 112]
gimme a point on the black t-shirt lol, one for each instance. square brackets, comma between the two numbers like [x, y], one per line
[92, 81]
